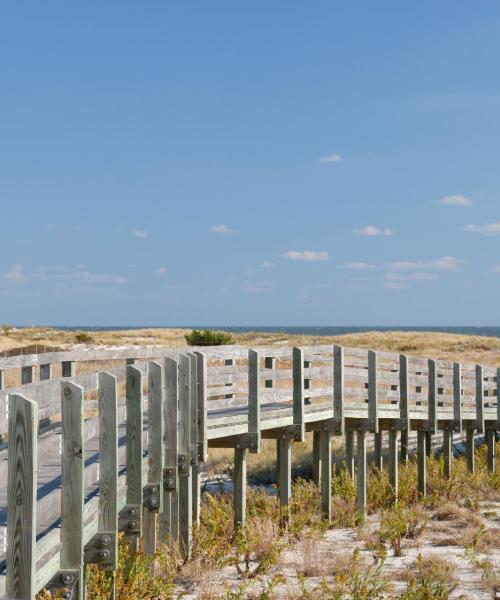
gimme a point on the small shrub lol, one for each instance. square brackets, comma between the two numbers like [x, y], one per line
[208, 338]
[82, 337]
[400, 523]
[430, 579]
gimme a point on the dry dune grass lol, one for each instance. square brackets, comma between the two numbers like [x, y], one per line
[466, 349]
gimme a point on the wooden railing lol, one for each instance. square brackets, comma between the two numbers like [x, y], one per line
[88, 456]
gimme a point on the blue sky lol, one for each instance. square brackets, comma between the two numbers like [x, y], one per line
[239, 163]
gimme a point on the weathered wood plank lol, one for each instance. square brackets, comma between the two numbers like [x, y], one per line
[72, 480]
[298, 392]
[338, 386]
[254, 426]
[21, 493]
[326, 474]
[361, 497]
[373, 390]
[184, 444]
[240, 486]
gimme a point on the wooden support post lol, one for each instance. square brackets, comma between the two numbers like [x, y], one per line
[1, 380]
[428, 444]
[130, 520]
[393, 462]
[45, 372]
[240, 486]
[326, 474]
[349, 451]
[404, 412]
[316, 458]
[498, 394]
[421, 460]
[338, 387]
[201, 366]
[27, 375]
[169, 521]
[253, 401]
[108, 473]
[377, 453]
[373, 391]
[470, 450]
[447, 451]
[21, 498]
[457, 397]
[361, 499]
[72, 487]
[284, 451]
[479, 399]
[68, 368]
[491, 450]
[193, 442]
[152, 497]
[298, 394]
[185, 483]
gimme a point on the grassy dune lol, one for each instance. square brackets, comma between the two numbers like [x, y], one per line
[465, 348]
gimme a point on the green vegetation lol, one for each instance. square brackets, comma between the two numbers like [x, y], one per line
[209, 338]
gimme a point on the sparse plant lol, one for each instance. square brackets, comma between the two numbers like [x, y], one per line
[429, 579]
[209, 338]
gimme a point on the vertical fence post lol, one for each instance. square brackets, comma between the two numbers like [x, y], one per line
[469, 450]
[298, 393]
[284, 452]
[432, 405]
[361, 500]
[373, 391]
[202, 406]
[393, 461]
[421, 460]
[169, 524]
[480, 398]
[240, 486]
[72, 484]
[152, 494]
[447, 451]
[404, 392]
[130, 519]
[21, 498]
[377, 450]
[316, 466]
[326, 474]
[108, 473]
[193, 441]
[338, 387]
[185, 481]
[457, 397]
[491, 450]
[254, 400]
[349, 451]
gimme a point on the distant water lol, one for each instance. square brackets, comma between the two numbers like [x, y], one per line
[307, 330]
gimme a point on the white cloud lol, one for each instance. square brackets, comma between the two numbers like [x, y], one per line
[15, 274]
[485, 229]
[89, 277]
[162, 270]
[220, 229]
[372, 231]
[331, 158]
[357, 266]
[419, 276]
[267, 264]
[457, 200]
[140, 233]
[445, 263]
[307, 255]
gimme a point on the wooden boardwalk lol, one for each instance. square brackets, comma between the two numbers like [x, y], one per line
[98, 451]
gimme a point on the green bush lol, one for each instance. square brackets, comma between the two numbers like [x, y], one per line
[208, 338]
[81, 337]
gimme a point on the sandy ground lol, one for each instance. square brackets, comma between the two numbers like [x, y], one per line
[318, 559]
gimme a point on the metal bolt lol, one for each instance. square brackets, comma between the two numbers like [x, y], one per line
[152, 502]
[132, 512]
[104, 554]
[154, 490]
[67, 391]
[169, 483]
[67, 596]
[105, 540]
[169, 471]
[132, 524]
[182, 458]
[67, 578]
